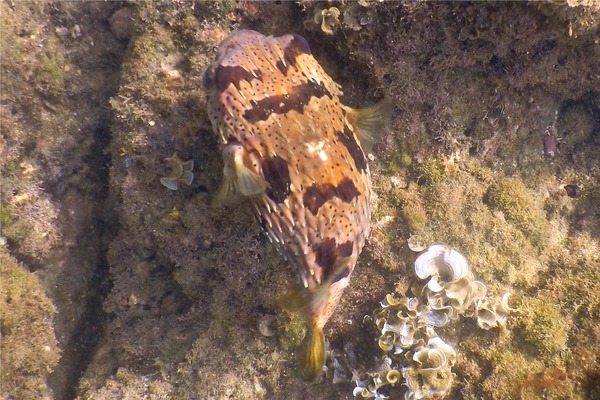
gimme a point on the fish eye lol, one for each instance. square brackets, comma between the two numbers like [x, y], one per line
[208, 78]
[302, 43]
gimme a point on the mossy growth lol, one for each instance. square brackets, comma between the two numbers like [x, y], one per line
[29, 350]
[400, 161]
[29, 222]
[542, 326]
[431, 171]
[4, 213]
[128, 384]
[293, 331]
[519, 207]
[54, 70]
[509, 377]
[400, 158]
[412, 208]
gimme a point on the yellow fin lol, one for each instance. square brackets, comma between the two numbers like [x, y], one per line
[238, 183]
[292, 301]
[248, 182]
[314, 356]
[227, 193]
[370, 123]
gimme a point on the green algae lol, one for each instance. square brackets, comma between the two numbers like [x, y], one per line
[431, 170]
[520, 207]
[412, 206]
[29, 349]
[542, 326]
[54, 70]
[509, 374]
[293, 333]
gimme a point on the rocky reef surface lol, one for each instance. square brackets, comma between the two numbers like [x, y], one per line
[114, 285]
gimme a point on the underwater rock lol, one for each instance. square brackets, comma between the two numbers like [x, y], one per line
[121, 23]
[357, 15]
[181, 172]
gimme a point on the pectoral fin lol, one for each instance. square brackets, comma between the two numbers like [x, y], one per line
[250, 183]
[370, 123]
[239, 181]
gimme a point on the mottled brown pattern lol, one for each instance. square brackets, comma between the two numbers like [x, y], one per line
[275, 99]
[348, 139]
[276, 173]
[224, 76]
[317, 195]
[296, 100]
[328, 252]
[297, 46]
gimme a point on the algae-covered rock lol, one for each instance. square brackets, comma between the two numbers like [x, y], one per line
[127, 384]
[29, 350]
[475, 86]
[542, 326]
[519, 206]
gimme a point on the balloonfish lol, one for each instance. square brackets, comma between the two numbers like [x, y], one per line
[292, 149]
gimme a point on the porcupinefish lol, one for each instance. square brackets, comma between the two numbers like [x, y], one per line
[292, 149]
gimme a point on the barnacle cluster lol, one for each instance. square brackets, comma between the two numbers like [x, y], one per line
[407, 325]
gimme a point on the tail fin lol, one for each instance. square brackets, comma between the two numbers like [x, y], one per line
[314, 356]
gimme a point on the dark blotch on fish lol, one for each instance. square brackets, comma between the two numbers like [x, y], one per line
[225, 75]
[317, 195]
[347, 138]
[298, 97]
[346, 190]
[276, 173]
[345, 272]
[328, 252]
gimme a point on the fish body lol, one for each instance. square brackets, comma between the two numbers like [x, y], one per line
[290, 147]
